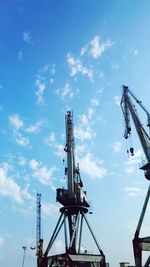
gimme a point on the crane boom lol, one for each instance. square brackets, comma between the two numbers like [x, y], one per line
[128, 109]
[70, 150]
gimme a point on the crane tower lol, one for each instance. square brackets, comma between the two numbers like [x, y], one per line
[75, 206]
[39, 240]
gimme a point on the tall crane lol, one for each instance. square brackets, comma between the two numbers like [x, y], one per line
[129, 109]
[39, 240]
[75, 206]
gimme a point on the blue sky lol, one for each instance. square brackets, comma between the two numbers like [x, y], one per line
[61, 55]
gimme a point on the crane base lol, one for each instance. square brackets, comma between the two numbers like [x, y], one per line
[75, 260]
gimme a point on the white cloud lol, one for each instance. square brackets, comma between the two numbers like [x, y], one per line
[96, 48]
[83, 134]
[117, 146]
[49, 209]
[21, 161]
[95, 102]
[92, 166]
[129, 170]
[76, 67]
[44, 77]
[81, 149]
[50, 69]
[20, 139]
[33, 164]
[1, 107]
[134, 191]
[65, 92]
[8, 187]
[84, 131]
[84, 120]
[20, 55]
[42, 173]
[117, 100]
[135, 52]
[92, 108]
[16, 121]
[45, 68]
[91, 111]
[19, 129]
[2, 241]
[26, 195]
[58, 247]
[26, 37]
[53, 69]
[136, 159]
[114, 66]
[40, 91]
[59, 150]
[35, 128]
[84, 50]
[50, 140]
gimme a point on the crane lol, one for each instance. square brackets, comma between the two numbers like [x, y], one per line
[39, 240]
[129, 109]
[75, 206]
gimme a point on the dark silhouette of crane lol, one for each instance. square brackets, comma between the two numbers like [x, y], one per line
[128, 108]
[39, 240]
[75, 206]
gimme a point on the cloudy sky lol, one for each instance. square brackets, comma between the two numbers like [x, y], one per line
[59, 55]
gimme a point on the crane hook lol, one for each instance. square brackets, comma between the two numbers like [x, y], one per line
[132, 151]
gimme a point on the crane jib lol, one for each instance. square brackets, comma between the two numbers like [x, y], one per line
[129, 110]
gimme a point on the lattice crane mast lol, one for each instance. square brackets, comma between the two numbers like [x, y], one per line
[128, 109]
[39, 240]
